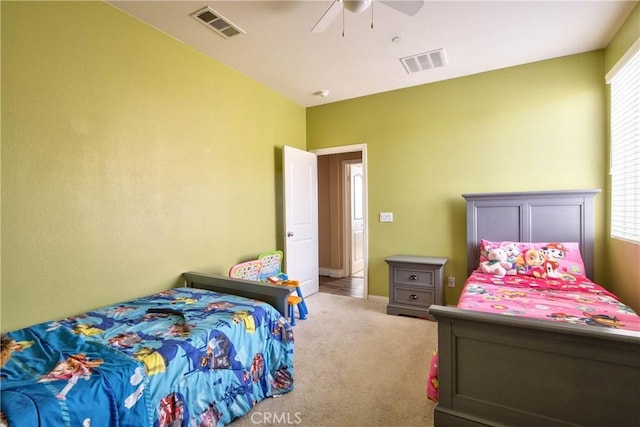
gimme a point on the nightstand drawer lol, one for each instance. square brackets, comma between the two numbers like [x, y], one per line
[415, 297]
[413, 277]
[415, 283]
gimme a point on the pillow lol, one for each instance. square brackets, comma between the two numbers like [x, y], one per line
[560, 260]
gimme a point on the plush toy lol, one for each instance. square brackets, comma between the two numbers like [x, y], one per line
[534, 260]
[496, 263]
[555, 251]
[513, 252]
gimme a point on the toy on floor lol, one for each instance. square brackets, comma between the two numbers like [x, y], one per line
[267, 268]
[272, 272]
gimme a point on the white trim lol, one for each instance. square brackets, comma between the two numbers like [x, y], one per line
[341, 149]
[379, 298]
[331, 272]
[635, 47]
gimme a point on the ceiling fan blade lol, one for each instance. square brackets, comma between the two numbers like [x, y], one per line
[407, 7]
[328, 17]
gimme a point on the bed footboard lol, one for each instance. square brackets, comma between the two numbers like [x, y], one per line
[501, 370]
[271, 294]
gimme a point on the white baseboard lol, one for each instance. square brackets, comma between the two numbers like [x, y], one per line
[331, 272]
[378, 298]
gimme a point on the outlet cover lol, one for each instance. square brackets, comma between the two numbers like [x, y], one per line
[386, 216]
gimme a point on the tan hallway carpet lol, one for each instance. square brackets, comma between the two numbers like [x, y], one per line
[354, 366]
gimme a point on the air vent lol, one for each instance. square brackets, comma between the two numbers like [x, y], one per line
[216, 22]
[424, 61]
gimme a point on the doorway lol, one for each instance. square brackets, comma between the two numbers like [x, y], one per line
[342, 222]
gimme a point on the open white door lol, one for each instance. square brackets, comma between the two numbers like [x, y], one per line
[356, 218]
[300, 173]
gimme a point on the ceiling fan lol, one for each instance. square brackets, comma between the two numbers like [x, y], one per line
[409, 7]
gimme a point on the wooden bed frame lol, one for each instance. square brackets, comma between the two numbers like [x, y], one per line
[271, 294]
[500, 370]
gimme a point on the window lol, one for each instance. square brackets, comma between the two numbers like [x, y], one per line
[624, 78]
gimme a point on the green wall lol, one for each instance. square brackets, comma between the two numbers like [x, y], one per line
[539, 126]
[127, 159]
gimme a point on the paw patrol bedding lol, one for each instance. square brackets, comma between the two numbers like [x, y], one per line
[178, 358]
[578, 302]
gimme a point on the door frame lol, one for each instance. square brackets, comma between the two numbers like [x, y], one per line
[362, 148]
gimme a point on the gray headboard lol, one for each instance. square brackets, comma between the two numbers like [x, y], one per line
[540, 216]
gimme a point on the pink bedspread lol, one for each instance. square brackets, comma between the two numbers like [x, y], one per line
[580, 302]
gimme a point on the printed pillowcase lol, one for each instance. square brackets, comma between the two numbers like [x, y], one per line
[560, 260]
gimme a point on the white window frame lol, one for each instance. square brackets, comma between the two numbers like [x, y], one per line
[624, 79]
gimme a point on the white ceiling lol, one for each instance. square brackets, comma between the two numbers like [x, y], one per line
[279, 50]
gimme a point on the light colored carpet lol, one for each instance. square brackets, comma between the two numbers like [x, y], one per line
[354, 366]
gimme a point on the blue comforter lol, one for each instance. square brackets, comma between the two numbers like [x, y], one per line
[178, 358]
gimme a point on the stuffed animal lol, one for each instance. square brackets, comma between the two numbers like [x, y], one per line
[513, 252]
[534, 260]
[496, 263]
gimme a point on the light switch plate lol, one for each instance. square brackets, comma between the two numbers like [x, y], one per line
[386, 216]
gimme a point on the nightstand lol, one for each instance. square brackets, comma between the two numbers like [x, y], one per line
[415, 282]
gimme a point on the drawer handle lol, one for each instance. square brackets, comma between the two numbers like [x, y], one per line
[414, 297]
[413, 277]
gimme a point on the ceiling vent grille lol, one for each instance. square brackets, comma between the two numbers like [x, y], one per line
[216, 22]
[424, 61]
